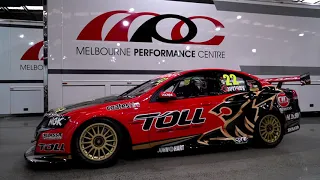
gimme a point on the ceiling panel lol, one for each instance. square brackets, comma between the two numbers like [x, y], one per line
[26, 14]
[17, 9]
[288, 2]
[20, 2]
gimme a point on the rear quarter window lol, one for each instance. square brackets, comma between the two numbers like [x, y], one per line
[232, 83]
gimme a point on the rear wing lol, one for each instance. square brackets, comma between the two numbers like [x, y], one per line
[304, 79]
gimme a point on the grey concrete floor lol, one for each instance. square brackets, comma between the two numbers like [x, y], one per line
[296, 158]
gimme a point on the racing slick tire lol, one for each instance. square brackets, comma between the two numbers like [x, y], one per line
[268, 132]
[97, 143]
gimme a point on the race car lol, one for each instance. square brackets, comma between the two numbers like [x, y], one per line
[171, 113]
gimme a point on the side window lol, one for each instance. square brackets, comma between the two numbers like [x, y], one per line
[188, 87]
[231, 83]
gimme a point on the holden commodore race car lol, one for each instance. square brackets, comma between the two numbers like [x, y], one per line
[172, 112]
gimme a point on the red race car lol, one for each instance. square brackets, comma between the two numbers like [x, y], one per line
[173, 112]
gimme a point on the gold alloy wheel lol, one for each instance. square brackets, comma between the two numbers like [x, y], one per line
[270, 128]
[98, 142]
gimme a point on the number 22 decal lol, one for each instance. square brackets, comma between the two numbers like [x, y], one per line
[234, 79]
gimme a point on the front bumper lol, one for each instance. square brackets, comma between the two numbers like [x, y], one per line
[32, 158]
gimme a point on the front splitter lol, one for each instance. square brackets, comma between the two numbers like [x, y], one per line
[30, 157]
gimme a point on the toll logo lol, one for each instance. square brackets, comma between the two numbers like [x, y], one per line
[147, 31]
[170, 119]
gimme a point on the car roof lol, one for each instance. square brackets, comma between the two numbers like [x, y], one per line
[180, 73]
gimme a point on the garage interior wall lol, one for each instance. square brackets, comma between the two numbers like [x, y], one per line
[21, 67]
[94, 50]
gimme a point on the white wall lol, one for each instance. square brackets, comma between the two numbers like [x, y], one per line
[20, 78]
[252, 40]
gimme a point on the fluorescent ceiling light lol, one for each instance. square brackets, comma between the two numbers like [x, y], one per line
[35, 7]
[15, 8]
[40, 8]
[311, 1]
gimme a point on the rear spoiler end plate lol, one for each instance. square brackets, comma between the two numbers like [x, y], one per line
[304, 79]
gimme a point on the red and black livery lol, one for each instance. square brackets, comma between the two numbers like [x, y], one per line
[172, 112]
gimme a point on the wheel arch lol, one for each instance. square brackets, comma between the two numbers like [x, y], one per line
[281, 116]
[257, 140]
[127, 144]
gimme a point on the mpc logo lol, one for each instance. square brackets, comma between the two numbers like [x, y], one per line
[147, 31]
[32, 54]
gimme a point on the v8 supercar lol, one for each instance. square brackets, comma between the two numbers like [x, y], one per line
[173, 112]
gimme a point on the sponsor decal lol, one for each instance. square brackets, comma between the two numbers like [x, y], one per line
[171, 149]
[228, 77]
[168, 75]
[51, 147]
[51, 114]
[123, 106]
[176, 118]
[283, 100]
[293, 116]
[161, 80]
[167, 94]
[56, 121]
[230, 83]
[233, 88]
[289, 108]
[145, 33]
[52, 136]
[60, 109]
[32, 54]
[294, 128]
[241, 140]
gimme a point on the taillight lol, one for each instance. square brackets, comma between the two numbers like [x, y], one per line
[294, 94]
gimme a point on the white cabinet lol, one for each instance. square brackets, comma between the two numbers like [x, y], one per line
[26, 99]
[79, 93]
[119, 89]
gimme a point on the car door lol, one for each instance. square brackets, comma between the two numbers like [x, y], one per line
[187, 115]
[236, 104]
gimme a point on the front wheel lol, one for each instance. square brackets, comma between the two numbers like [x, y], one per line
[269, 131]
[97, 143]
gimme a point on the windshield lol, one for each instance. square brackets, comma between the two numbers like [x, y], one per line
[142, 88]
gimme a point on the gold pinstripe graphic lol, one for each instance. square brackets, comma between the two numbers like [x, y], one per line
[225, 133]
[153, 144]
[221, 139]
[249, 123]
[248, 127]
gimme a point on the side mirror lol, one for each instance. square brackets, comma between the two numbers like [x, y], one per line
[167, 96]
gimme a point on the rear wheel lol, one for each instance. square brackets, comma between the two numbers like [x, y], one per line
[269, 131]
[97, 143]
